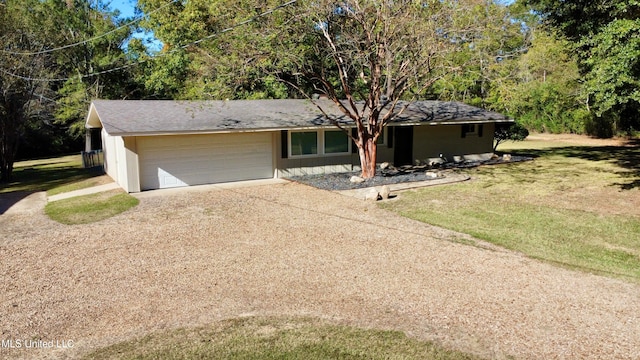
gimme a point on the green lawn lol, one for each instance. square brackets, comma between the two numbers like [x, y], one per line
[52, 175]
[65, 174]
[575, 206]
[90, 208]
[276, 338]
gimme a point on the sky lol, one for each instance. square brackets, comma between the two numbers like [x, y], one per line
[125, 6]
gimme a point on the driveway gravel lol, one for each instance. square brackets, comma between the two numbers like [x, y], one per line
[194, 258]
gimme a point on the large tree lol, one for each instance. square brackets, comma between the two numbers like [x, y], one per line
[56, 56]
[542, 90]
[606, 37]
[370, 58]
[95, 64]
[23, 99]
[504, 35]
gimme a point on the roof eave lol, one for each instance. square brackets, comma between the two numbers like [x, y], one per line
[455, 122]
[213, 131]
[228, 131]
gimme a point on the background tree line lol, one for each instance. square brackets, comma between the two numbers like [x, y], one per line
[555, 66]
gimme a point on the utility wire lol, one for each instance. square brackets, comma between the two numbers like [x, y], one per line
[87, 40]
[254, 18]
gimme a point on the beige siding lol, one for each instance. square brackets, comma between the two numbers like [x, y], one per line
[121, 161]
[432, 140]
[109, 151]
[115, 163]
[132, 164]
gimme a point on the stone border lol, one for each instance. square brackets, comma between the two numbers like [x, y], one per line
[447, 179]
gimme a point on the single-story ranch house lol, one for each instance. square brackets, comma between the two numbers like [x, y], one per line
[155, 144]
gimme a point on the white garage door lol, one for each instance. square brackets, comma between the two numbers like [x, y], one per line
[183, 160]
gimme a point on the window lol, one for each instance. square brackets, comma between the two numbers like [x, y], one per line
[311, 143]
[471, 129]
[336, 142]
[304, 143]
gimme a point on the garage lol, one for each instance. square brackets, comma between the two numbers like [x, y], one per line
[183, 160]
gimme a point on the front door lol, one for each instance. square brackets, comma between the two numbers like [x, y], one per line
[403, 145]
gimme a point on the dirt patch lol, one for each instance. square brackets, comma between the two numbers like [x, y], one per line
[192, 259]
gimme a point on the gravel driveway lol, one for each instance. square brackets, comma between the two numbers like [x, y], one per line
[195, 258]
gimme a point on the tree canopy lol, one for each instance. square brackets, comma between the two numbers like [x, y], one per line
[365, 56]
[606, 36]
[56, 57]
[567, 66]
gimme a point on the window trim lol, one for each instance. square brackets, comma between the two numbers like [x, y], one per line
[320, 145]
[324, 143]
[472, 129]
[467, 132]
[291, 155]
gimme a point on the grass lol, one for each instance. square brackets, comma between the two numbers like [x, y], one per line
[575, 206]
[90, 208]
[95, 180]
[65, 174]
[54, 175]
[276, 338]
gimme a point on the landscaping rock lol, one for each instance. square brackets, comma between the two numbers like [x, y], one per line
[384, 165]
[385, 191]
[506, 157]
[391, 175]
[356, 179]
[372, 195]
[431, 175]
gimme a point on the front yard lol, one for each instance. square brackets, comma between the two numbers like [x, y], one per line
[576, 205]
[289, 271]
[61, 175]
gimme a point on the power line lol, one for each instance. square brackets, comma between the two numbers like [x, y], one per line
[142, 61]
[88, 40]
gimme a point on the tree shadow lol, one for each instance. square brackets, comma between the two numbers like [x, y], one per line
[43, 178]
[626, 157]
[8, 200]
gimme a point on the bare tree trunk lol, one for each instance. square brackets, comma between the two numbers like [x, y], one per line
[368, 157]
[7, 156]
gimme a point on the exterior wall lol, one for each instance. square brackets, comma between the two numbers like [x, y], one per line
[321, 164]
[432, 140]
[121, 161]
[109, 151]
[132, 168]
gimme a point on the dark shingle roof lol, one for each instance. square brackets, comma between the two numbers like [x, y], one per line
[148, 117]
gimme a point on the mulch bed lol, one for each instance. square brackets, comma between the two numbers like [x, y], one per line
[392, 175]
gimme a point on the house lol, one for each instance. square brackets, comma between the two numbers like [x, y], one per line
[155, 144]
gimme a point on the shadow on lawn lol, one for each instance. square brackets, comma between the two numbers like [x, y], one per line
[31, 179]
[626, 157]
[39, 178]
